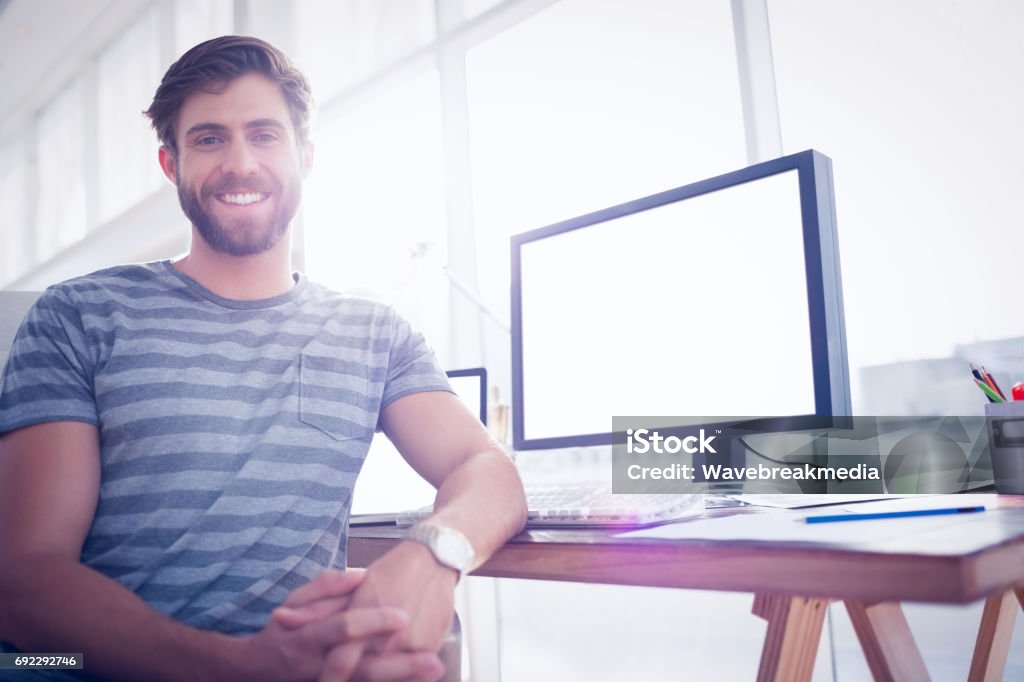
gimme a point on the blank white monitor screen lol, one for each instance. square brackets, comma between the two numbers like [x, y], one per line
[697, 307]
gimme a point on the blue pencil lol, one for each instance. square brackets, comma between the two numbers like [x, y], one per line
[893, 514]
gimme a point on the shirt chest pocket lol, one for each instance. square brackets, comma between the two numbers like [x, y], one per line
[337, 397]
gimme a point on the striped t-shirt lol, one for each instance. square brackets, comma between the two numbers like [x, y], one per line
[231, 432]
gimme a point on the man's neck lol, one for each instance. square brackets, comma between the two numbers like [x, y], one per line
[240, 278]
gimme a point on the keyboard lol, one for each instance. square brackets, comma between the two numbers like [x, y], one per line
[593, 506]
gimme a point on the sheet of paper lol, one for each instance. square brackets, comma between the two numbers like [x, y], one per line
[912, 502]
[779, 501]
[789, 526]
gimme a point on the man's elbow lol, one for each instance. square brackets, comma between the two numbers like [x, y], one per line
[516, 494]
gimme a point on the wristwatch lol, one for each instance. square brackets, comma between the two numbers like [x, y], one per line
[449, 546]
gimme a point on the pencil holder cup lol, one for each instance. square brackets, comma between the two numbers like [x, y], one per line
[1006, 444]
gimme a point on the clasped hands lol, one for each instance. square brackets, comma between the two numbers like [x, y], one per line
[379, 625]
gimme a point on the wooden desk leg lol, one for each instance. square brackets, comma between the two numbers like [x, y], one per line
[791, 643]
[994, 635]
[887, 642]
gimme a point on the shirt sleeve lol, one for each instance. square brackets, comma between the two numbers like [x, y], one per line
[48, 375]
[412, 365]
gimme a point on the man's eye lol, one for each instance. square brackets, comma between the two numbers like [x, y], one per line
[207, 141]
[265, 137]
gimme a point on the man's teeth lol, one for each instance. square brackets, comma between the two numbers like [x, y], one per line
[243, 199]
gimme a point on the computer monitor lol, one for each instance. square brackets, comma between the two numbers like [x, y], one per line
[471, 387]
[721, 297]
[386, 483]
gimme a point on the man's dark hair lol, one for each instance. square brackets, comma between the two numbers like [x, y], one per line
[212, 65]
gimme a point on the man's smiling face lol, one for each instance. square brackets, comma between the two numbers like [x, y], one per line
[239, 166]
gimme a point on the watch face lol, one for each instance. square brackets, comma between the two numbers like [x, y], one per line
[449, 546]
[453, 549]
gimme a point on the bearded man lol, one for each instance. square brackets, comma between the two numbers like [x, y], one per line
[180, 440]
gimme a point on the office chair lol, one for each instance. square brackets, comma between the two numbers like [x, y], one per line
[14, 306]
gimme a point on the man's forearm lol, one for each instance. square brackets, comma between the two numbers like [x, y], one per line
[52, 603]
[483, 498]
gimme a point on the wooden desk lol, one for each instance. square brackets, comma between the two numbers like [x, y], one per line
[793, 583]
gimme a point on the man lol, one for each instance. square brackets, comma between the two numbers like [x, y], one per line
[180, 440]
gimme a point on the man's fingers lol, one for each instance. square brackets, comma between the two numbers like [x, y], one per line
[421, 666]
[357, 624]
[330, 583]
[295, 617]
[340, 664]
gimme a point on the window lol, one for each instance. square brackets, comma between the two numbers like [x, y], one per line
[128, 71]
[61, 207]
[588, 104]
[374, 214]
[921, 119]
[15, 256]
[472, 8]
[199, 20]
[344, 41]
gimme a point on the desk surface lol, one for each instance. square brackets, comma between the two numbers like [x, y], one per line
[959, 564]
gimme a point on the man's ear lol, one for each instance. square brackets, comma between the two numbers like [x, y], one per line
[168, 163]
[307, 159]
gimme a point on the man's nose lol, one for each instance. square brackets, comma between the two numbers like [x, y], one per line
[240, 160]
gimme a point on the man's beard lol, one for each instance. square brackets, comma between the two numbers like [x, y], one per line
[246, 236]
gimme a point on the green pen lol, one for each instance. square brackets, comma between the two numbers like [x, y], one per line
[992, 395]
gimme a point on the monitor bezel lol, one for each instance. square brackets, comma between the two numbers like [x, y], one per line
[481, 374]
[822, 271]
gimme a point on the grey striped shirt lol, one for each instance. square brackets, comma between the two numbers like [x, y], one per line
[231, 432]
